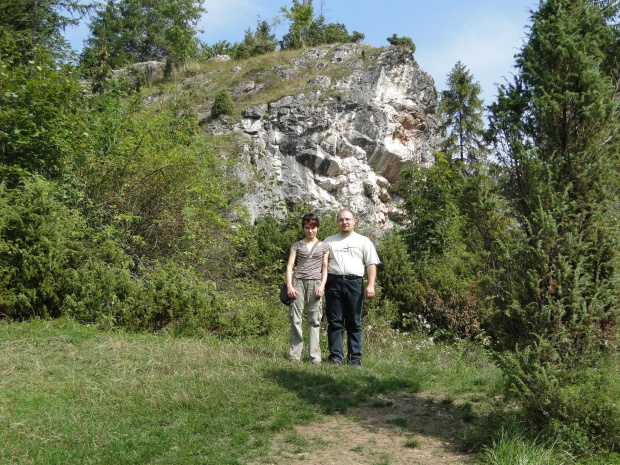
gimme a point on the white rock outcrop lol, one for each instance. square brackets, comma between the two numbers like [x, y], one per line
[330, 152]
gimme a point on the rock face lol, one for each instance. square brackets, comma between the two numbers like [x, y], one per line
[344, 141]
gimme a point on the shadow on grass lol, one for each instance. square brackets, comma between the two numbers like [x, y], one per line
[392, 405]
[342, 388]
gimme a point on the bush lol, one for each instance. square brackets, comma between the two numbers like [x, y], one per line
[37, 246]
[222, 105]
[404, 41]
[578, 406]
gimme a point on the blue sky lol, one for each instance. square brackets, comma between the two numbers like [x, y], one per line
[483, 34]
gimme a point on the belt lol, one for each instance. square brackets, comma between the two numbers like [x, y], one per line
[346, 277]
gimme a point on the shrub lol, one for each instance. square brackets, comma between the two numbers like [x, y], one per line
[578, 406]
[37, 246]
[404, 41]
[222, 105]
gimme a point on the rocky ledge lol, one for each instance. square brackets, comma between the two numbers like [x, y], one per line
[342, 142]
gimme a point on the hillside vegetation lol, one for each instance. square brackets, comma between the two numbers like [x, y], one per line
[120, 209]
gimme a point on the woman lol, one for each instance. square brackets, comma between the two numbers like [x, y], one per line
[306, 274]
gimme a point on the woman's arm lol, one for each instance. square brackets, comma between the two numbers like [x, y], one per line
[292, 293]
[321, 290]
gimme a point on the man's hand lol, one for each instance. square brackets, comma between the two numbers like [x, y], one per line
[372, 277]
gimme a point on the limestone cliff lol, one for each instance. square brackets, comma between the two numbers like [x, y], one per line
[328, 128]
[343, 141]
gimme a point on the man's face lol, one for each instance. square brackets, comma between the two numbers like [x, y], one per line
[346, 222]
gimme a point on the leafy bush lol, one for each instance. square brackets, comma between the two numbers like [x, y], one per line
[402, 42]
[578, 406]
[41, 115]
[222, 105]
[37, 246]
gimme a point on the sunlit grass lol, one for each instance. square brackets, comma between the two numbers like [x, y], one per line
[72, 394]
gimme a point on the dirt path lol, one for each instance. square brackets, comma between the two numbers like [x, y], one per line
[388, 430]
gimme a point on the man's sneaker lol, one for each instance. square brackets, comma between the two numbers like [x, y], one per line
[356, 365]
[335, 362]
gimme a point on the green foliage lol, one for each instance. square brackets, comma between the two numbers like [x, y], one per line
[132, 31]
[561, 189]
[430, 269]
[431, 204]
[37, 246]
[223, 47]
[462, 110]
[397, 279]
[555, 128]
[300, 15]
[305, 30]
[320, 33]
[583, 399]
[403, 41]
[41, 115]
[222, 104]
[161, 180]
[258, 43]
[28, 27]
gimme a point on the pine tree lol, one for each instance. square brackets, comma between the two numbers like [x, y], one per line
[27, 25]
[462, 109]
[131, 31]
[555, 128]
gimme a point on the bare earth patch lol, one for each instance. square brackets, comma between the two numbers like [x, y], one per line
[387, 430]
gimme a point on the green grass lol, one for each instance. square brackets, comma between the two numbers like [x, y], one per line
[515, 448]
[412, 443]
[70, 394]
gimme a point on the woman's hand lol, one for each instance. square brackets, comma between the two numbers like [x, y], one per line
[320, 291]
[292, 293]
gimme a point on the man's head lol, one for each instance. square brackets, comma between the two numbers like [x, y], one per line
[346, 221]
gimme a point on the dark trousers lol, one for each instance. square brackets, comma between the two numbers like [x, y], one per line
[344, 300]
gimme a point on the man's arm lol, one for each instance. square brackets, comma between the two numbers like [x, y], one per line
[372, 277]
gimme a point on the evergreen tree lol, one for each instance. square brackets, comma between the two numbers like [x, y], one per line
[131, 31]
[556, 130]
[27, 25]
[462, 110]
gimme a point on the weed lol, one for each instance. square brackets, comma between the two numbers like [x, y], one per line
[398, 421]
[412, 443]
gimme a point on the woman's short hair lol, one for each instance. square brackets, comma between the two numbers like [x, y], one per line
[311, 219]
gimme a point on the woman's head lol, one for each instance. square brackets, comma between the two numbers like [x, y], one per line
[310, 224]
[310, 219]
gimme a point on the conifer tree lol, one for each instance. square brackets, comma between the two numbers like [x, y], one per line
[555, 127]
[462, 110]
[26, 25]
[131, 31]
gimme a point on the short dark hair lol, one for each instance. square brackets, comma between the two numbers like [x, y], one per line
[311, 219]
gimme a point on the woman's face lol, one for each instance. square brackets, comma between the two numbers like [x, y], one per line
[310, 231]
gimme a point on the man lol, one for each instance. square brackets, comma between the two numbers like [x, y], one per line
[350, 254]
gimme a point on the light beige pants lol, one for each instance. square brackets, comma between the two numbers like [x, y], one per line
[306, 299]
